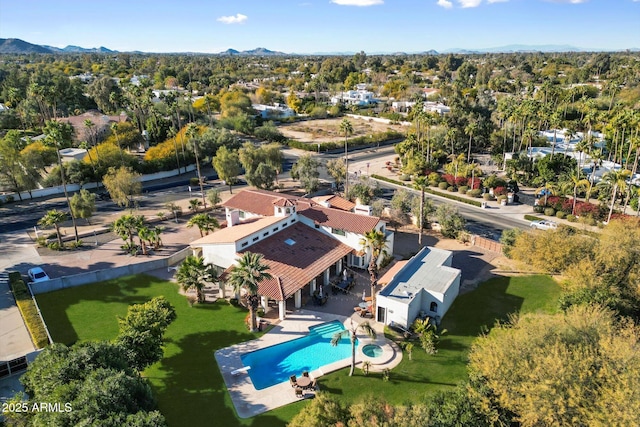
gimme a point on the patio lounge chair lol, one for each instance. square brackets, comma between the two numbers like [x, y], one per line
[293, 381]
[239, 371]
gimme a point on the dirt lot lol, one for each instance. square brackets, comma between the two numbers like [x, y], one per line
[328, 130]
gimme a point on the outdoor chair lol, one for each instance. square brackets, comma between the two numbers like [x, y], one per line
[305, 374]
[299, 393]
[293, 381]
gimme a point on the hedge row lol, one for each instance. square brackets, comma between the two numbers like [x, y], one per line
[431, 191]
[353, 142]
[28, 309]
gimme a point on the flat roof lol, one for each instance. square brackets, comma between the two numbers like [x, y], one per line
[237, 232]
[424, 271]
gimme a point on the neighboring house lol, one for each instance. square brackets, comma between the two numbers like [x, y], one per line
[358, 97]
[3, 108]
[71, 154]
[275, 111]
[425, 285]
[435, 107]
[102, 125]
[303, 242]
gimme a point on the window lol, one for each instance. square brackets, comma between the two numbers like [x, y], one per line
[241, 214]
[265, 234]
[338, 231]
[244, 244]
[279, 210]
[317, 225]
[275, 229]
[433, 307]
[255, 239]
[293, 220]
[288, 210]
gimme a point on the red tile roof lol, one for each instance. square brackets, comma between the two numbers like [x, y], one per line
[296, 265]
[259, 202]
[342, 220]
[336, 202]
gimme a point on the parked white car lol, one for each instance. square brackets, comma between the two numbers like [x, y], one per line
[37, 274]
[544, 225]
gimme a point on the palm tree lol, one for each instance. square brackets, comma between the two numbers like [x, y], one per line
[193, 204]
[421, 183]
[376, 241]
[576, 182]
[193, 273]
[144, 234]
[547, 188]
[53, 218]
[347, 129]
[352, 333]
[617, 179]
[58, 134]
[204, 222]
[114, 129]
[470, 129]
[192, 133]
[172, 134]
[126, 226]
[247, 275]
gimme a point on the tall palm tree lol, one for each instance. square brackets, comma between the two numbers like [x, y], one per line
[618, 180]
[53, 218]
[58, 136]
[352, 333]
[347, 129]
[204, 222]
[470, 130]
[192, 133]
[127, 226]
[375, 241]
[421, 183]
[193, 273]
[247, 274]
[172, 133]
[575, 182]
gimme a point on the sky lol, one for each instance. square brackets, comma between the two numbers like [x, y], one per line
[322, 26]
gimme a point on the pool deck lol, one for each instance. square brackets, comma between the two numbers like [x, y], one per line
[250, 402]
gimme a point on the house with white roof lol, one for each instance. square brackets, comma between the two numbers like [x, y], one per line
[303, 242]
[275, 111]
[425, 285]
[360, 97]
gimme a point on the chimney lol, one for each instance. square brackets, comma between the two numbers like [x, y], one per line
[325, 203]
[233, 217]
[363, 210]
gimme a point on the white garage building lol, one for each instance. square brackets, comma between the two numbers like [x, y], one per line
[425, 285]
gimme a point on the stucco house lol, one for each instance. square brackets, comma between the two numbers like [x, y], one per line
[275, 111]
[303, 242]
[425, 285]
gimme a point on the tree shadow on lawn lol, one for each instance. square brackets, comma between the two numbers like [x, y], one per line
[189, 387]
[55, 305]
[477, 311]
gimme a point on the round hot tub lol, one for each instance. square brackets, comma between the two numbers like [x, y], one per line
[372, 350]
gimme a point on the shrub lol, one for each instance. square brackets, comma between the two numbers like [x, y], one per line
[549, 211]
[560, 215]
[487, 196]
[443, 185]
[474, 183]
[500, 191]
[474, 193]
[404, 177]
[463, 189]
[538, 208]
[461, 180]
[572, 218]
[55, 246]
[450, 179]
[28, 310]
[532, 218]
[433, 183]
[588, 220]
[434, 176]
[193, 182]
[451, 188]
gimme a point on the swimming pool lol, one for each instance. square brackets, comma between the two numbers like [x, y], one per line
[275, 364]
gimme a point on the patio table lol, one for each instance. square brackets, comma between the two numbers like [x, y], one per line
[303, 381]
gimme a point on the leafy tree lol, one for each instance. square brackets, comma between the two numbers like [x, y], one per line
[573, 368]
[324, 410]
[235, 103]
[294, 102]
[364, 190]
[214, 198]
[508, 240]
[193, 273]
[227, 165]
[247, 274]
[451, 222]
[54, 218]
[142, 330]
[204, 222]
[122, 184]
[273, 158]
[83, 204]
[352, 333]
[306, 171]
[337, 170]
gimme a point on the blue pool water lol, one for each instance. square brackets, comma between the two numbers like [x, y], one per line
[275, 364]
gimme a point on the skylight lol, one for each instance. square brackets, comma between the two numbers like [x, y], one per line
[290, 242]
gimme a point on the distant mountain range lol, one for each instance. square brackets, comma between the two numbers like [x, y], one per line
[17, 46]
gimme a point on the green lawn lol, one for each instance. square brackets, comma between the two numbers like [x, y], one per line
[188, 384]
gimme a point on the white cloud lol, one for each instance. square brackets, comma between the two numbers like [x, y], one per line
[570, 1]
[445, 3]
[502, 1]
[357, 2]
[469, 3]
[237, 19]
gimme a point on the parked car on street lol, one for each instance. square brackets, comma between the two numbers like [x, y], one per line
[37, 274]
[544, 225]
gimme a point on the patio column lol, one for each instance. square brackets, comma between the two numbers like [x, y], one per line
[339, 266]
[313, 286]
[298, 298]
[264, 302]
[326, 275]
[221, 287]
[282, 309]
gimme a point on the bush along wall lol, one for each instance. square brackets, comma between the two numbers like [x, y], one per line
[29, 310]
[430, 191]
